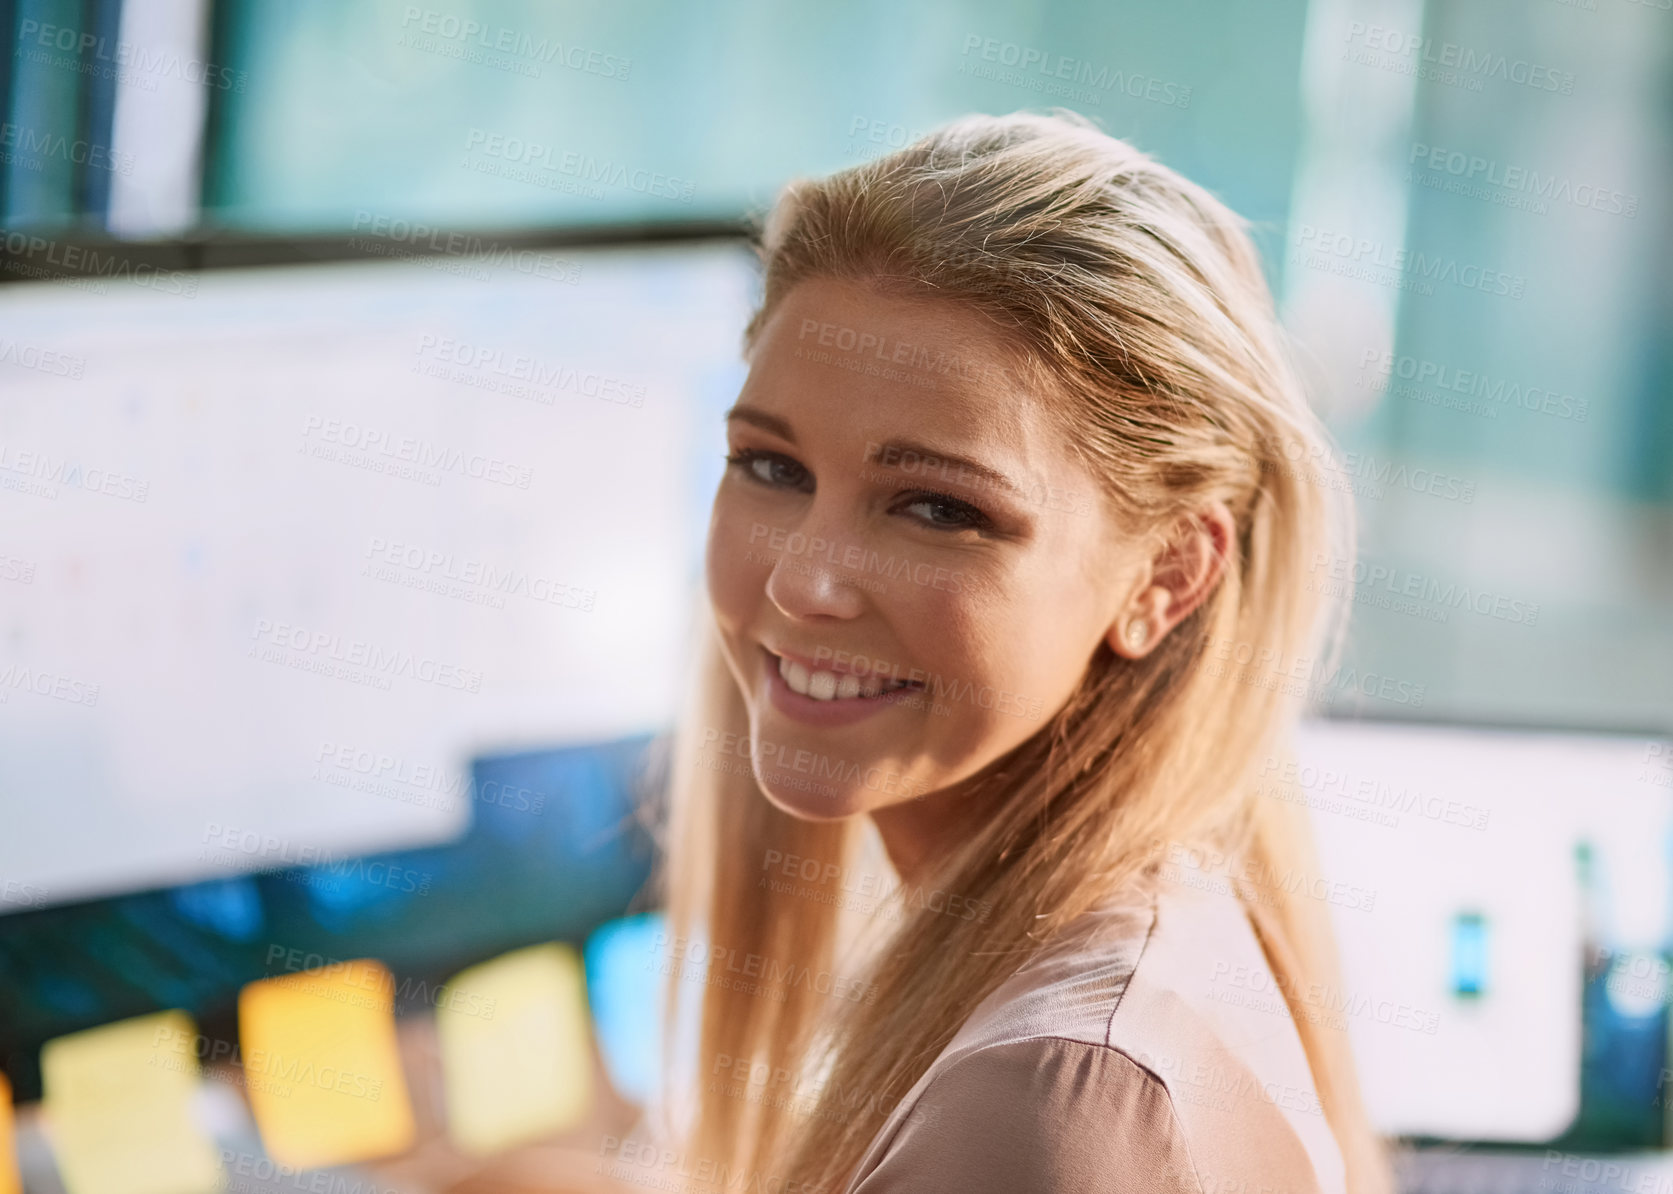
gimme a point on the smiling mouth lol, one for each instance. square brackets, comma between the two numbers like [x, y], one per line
[821, 685]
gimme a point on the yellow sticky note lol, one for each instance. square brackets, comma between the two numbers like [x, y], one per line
[322, 1067]
[117, 1104]
[516, 1048]
[11, 1182]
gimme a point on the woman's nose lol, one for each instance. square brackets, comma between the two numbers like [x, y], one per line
[808, 581]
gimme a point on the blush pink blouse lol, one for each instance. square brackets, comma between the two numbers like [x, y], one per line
[1149, 1050]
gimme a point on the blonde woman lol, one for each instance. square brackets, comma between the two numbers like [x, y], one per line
[1018, 478]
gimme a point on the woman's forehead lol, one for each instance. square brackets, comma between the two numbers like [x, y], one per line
[903, 361]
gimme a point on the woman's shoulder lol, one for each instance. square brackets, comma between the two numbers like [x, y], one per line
[1037, 1113]
[1127, 1050]
[1204, 1013]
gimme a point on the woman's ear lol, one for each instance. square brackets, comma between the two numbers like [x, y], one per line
[1180, 577]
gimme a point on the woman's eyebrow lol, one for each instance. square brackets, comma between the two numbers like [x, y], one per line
[924, 458]
[892, 454]
[763, 420]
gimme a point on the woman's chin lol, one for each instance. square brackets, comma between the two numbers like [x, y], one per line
[809, 799]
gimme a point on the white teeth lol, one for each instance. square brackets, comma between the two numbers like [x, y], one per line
[826, 686]
[794, 675]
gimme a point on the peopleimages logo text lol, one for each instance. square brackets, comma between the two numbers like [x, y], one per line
[580, 166]
[362, 654]
[421, 238]
[25, 247]
[1559, 188]
[1473, 384]
[1078, 72]
[35, 145]
[516, 42]
[91, 48]
[1413, 263]
[1427, 55]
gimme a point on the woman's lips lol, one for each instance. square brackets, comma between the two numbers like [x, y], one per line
[828, 698]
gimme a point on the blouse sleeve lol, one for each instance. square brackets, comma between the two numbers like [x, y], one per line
[1046, 1114]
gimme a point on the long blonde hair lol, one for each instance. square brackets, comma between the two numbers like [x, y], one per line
[1136, 298]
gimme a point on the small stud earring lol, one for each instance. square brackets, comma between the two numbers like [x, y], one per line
[1137, 634]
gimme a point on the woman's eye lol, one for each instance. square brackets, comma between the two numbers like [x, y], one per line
[770, 468]
[948, 513]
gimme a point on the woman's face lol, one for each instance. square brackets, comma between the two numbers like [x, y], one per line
[909, 568]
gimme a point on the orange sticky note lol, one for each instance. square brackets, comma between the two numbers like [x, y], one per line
[516, 1048]
[10, 1180]
[321, 1065]
[117, 1106]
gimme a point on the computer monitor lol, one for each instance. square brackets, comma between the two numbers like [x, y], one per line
[286, 548]
[556, 847]
[1492, 870]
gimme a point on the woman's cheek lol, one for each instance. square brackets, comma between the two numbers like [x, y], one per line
[994, 687]
[729, 564]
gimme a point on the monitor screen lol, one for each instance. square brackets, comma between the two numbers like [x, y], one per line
[1482, 883]
[556, 847]
[291, 546]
